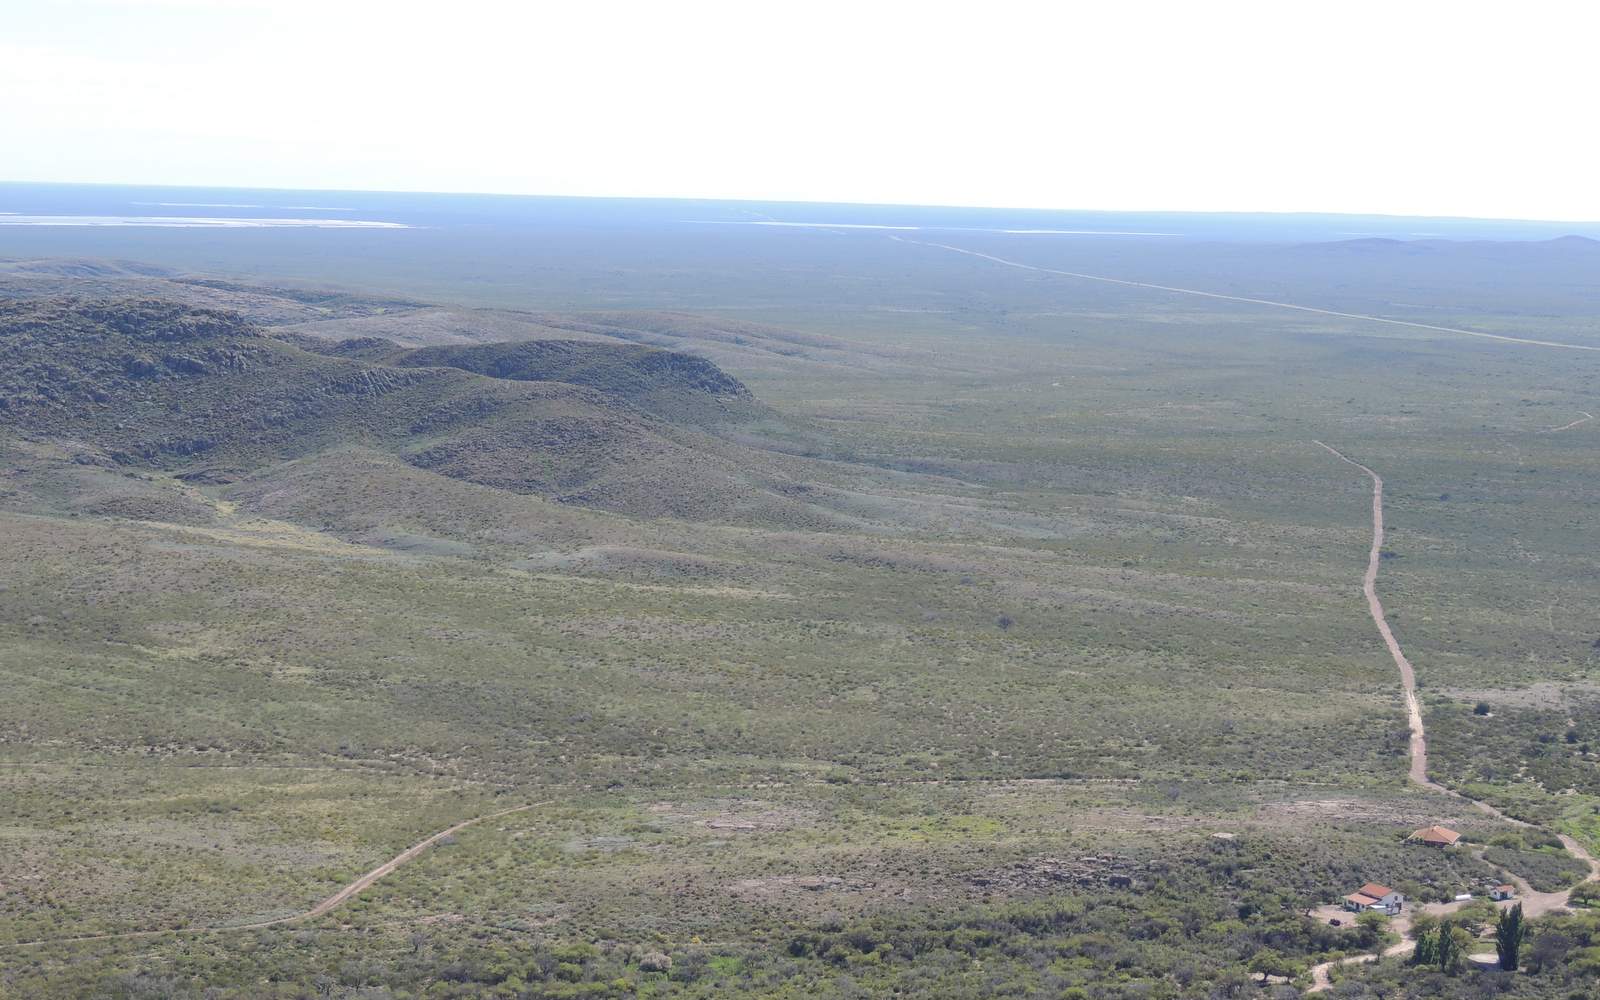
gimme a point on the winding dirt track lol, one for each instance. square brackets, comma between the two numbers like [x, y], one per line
[1408, 677]
[1321, 980]
[321, 909]
[1251, 301]
[1583, 418]
[1533, 903]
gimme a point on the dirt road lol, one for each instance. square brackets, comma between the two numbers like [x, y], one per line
[1408, 677]
[1320, 978]
[1369, 587]
[1533, 903]
[1249, 300]
[321, 909]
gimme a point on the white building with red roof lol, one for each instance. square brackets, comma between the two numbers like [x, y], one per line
[1375, 897]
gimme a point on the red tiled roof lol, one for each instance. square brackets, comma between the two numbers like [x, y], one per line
[1374, 890]
[1436, 835]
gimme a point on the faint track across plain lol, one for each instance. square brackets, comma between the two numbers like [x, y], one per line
[1252, 301]
[328, 905]
[1583, 418]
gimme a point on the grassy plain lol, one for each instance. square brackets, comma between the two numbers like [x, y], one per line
[1072, 593]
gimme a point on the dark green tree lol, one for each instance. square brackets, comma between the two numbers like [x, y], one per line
[1426, 950]
[1448, 951]
[1509, 934]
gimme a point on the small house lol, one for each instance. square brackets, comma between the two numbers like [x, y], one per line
[1436, 836]
[1375, 898]
[1500, 892]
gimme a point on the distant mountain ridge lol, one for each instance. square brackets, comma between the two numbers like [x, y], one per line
[1569, 242]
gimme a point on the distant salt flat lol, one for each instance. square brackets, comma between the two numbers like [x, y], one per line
[224, 204]
[797, 225]
[192, 222]
[913, 229]
[192, 204]
[1070, 232]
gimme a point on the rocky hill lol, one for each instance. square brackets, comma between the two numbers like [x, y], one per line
[209, 397]
[670, 384]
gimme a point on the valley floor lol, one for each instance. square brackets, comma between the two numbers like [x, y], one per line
[1034, 662]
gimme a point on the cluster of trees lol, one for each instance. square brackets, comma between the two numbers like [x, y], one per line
[1445, 946]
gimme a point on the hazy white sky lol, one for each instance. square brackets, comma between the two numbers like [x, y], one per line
[1402, 106]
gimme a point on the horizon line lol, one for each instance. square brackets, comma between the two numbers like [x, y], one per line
[1281, 213]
